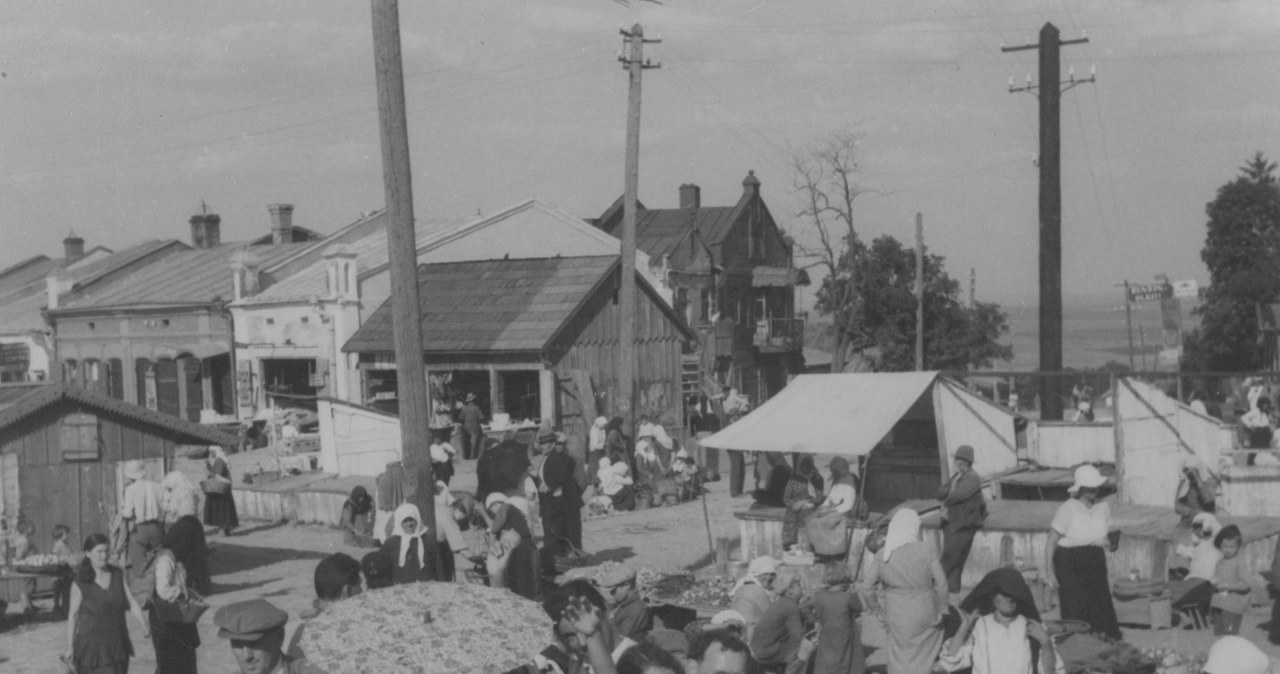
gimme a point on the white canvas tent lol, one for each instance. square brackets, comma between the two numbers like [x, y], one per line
[850, 414]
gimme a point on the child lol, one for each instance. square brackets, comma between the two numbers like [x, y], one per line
[1001, 630]
[442, 454]
[836, 611]
[62, 585]
[22, 549]
[1230, 582]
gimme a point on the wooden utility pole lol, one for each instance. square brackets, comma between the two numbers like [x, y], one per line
[633, 61]
[919, 292]
[411, 383]
[1050, 95]
[1128, 320]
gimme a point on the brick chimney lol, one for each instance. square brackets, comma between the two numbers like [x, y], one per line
[751, 184]
[281, 223]
[73, 247]
[206, 230]
[690, 196]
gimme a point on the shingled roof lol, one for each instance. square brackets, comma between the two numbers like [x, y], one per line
[42, 396]
[494, 305]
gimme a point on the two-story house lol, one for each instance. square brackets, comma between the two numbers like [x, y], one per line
[730, 272]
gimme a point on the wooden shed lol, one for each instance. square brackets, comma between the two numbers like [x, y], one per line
[61, 449]
[535, 339]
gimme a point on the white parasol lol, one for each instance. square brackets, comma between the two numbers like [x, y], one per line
[450, 628]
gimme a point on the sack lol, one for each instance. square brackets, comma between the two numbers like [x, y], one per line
[216, 485]
[828, 532]
[187, 608]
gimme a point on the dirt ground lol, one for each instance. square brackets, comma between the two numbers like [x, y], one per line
[275, 561]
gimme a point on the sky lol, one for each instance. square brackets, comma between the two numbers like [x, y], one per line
[122, 118]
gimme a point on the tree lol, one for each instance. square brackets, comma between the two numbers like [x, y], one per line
[826, 177]
[1241, 250]
[869, 290]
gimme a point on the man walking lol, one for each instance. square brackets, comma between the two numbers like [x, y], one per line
[965, 511]
[472, 437]
[143, 513]
[559, 494]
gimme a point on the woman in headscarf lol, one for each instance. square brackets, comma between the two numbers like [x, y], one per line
[800, 498]
[357, 518]
[615, 482]
[513, 556]
[911, 595]
[1001, 632]
[753, 593]
[219, 506]
[414, 554]
[1077, 561]
[844, 491]
[180, 496]
[185, 539]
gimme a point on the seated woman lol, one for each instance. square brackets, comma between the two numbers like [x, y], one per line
[513, 558]
[414, 553]
[357, 519]
[1231, 582]
[1001, 630]
[1196, 589]
[773, 495]
[753, 593]
[616, 483]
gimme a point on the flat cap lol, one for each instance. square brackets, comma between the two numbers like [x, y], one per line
[618, 575]
[248, 620]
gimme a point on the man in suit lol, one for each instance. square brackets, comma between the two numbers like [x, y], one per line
[472, 435]
[559, 494]
[965, 511]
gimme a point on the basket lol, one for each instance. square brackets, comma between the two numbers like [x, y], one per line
[564, 556]
[216, 485]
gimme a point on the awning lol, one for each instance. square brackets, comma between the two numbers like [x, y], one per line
[827, 414]
[763, 277]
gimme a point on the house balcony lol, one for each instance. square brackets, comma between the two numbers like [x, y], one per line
[778, 335]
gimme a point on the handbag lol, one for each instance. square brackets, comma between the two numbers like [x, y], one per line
[187, 608]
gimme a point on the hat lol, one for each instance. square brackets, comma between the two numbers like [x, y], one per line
[471, 397]
[1237, 655]
[1087, 477]
[763, 565]
[133, 470]
[618, 575]
[728, 617]
[249, 620]
[547, 435]
[965, 453]
[493, 498]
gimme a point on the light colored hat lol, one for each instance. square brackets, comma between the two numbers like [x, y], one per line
[618, 575]
[965, 452]
[729, 617]
[494, 497]
[1236, 655]
[134, 470]
[1087, 477]
[762, 565]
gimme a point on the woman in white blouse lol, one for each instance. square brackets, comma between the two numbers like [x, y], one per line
[843, 494]
[1077, 562]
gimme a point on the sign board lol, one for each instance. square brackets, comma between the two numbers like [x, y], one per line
[15, 356]
[1186, 289]
[1150, 292]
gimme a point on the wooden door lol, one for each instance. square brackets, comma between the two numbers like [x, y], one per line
[191, 380]
[167, 384]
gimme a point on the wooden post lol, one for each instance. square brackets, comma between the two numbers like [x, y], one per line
[397, 182]
[919, 292]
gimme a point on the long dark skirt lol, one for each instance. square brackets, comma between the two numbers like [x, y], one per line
[175, 645]
[1084, 589]
[522, 570]
[220, 511]
[447, 567]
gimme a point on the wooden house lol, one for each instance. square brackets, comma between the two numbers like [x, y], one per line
[62, 447]
[533, 339]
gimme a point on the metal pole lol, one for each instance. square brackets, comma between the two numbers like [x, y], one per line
[406, 327]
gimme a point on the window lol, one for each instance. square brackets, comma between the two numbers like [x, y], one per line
[306, 319]
[756, 228]
[271, 321]
[164, 323]
[91, 325]
[704, 304]
[78, 438]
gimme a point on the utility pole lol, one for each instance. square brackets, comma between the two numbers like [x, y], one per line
[919, 292]
[633, 61]
[1128, 320]
[411, 384]
[1050, 94]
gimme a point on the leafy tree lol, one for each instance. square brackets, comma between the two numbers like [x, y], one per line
[1242, 252]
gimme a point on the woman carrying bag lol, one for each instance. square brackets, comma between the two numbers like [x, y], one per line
[173, 611]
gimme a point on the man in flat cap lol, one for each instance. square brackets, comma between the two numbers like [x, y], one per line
[559, 493]
[256, 631]
[628, 613]
[965, 511]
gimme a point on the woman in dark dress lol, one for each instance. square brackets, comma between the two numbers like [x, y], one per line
[96, 630]
[175, 642]
[836, 608]
[413, 552]
[220, 507]
[513, 554]
[357, 519]
[185, 538]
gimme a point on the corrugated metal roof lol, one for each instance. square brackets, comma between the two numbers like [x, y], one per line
[42, 396]
[491, 305]
[187, 277]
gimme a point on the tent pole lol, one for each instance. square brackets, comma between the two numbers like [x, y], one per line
[706, 517]
[857, 509]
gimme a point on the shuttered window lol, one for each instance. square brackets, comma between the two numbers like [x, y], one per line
[78, 438]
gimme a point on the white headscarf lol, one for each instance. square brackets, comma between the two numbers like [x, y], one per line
[180, 494]
[660, 435]
[597, 436]
[904, 528]
[758, 567]
[1236, 655]
[402, 513]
